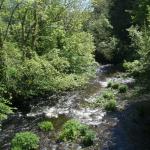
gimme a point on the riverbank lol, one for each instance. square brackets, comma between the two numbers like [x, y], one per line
[114, 129]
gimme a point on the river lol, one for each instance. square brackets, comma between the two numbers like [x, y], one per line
[69, 105]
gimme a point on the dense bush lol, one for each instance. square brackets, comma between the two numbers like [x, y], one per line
[74, 130]
[70, 131]
[115, 85]
[140, 68]
[140, 38]
[133, 67]
[46, 126]
[107, 100]
[25, 141]
[43, 53]
[89, 137]
[4, 111]
[111, 105]
[109, 85]
[108, 95]
[83, 129]
[102, 29]
[123, 88]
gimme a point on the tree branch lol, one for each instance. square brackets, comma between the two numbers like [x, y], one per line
[1, 4]
[10, 20]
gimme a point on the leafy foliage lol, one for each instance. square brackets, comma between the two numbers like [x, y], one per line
[106, 99]
[5, 105]
[123, 88]
[89, 137]
[109, 23]
[46, 126]
[140, 36]
[110, 105]
[113, 85]
[4, 109]
[73, 130]
[109, 85]
[108, 95]
[70, 131]
[102, 30]
[25, 141]
[43, 47]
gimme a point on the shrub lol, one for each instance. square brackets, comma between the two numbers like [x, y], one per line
[115, 86]
[83, 129]
[102, 100]
[133, 67]
[109, 85]
[46, 126]
[106, 100]
[89, 138]
[25, 141]
[108, 95]
[111, 105]
[5, 104]
[73, 130]
[5, 109]
[123, 88]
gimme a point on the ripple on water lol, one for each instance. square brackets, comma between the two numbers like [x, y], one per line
[89, 116]
[68, 107]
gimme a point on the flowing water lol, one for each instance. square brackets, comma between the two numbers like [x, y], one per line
[60, 108]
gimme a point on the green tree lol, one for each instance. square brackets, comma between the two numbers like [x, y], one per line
[140, 35]
[43, 46]
[101, 27]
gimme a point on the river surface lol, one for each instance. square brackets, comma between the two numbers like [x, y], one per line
[69, 105]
